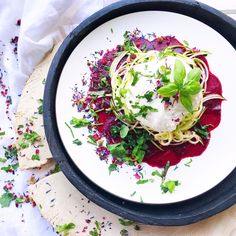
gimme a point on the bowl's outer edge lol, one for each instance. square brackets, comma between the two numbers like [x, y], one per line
[215, 200]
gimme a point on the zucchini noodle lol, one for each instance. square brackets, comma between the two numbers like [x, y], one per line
[126, 61]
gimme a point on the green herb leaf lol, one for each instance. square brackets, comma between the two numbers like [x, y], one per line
[92, 140]
[23, 144]
[125, 222]
[35, 157]
[2, 133]
[97, 230]
[40, 108]
[6, 199]
[65, 228]
[124, 131]
[97, 93]
[124, 232]
[142, 181]
[169, 186]
[78, 123]
[117, 150]
[168, 90]
[3, 160]
[77, 142]
[191, 88]
[19, 200]
[135, 77]
[194, 74]
[188, 163]
[32, 137]
[186, 101]
[156, 173]
[202, 131]
[112, 167]
[179, 73]
[148, 95]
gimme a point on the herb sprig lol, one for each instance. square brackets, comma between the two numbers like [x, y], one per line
[183, 89]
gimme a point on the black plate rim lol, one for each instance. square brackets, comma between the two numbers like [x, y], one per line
[185, 212]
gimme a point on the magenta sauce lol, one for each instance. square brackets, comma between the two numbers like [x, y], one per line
[172, 153]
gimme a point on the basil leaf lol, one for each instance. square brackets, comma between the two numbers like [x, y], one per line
[179, 73]
[168, 90]
[194, 74]
[186, 101]
[191, 88]
[124, 131]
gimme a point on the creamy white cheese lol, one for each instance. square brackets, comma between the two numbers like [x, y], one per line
[167, 117]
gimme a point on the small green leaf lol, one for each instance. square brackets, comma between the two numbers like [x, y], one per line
[35, 157]
[192, 87]
[168, 90]
[117, 150]
[65, 228]
[112, 167]
[125, 222]
[186, 101]
[6, 199]
[77, 142]
[179, 73]
[142, 181]
[32, 137]
[156, 173]
[194, 74]
[78, 123]
[169, 186]
[124, 131]
[23, 144]
[3, 160]
[19, 200]
[2, 133]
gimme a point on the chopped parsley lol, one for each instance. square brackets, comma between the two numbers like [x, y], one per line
[32, 137]
[2, 133]
[78, 123]
[96, 230]
[35, 157]
[202, 131]
[148, 95]
[112, 167]
[143, 110]
[65, 228]
[22, 144]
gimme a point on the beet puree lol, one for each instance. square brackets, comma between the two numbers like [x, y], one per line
[172, 153]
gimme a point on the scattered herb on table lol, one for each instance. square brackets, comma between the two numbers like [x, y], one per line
[40, 108]
[32, 137]
[2, 133]
[78, 123]
[65, 228]
[35, 157]
[96, 230]
[169, 186]
[6, 199]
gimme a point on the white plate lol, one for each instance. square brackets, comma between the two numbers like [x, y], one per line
[207, 170]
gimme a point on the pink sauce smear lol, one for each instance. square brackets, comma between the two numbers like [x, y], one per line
[172, 153]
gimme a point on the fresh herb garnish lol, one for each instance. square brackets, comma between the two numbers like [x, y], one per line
[112, 167]
[32, 137]
[71, 131]
[148, 95]
[118, 150]
[125, 222]
[124, 129]
[6, 199]
[143, 110]
[22, 144]
[135, 76]
[142, 181]
[2, 133]
[65, 228]
[92, 140]
[188, 163]
[77, 142]
[78, 123]
[183, 89]
[10, 167]
[40, 108]
[96, 230]
[35, 157]
[169, 186]
[202, 131]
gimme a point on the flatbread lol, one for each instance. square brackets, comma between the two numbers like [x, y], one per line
[60, 203]
[28, 118]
